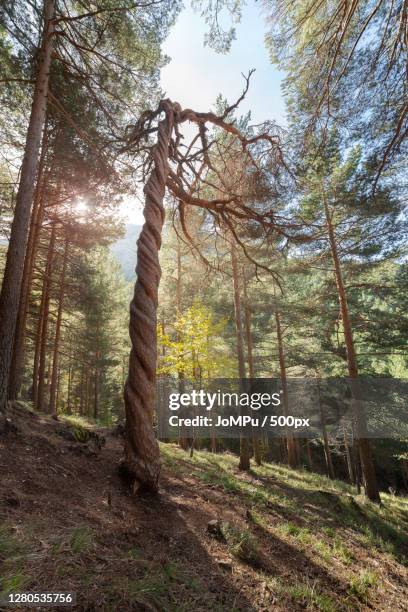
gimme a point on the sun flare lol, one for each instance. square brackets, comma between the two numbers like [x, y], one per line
[80, 206]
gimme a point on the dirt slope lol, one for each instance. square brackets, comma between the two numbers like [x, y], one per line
[278, 541]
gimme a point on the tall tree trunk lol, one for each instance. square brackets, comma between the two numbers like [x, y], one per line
[37, 349]
[248, 330]
[45, 319]
[11, 287]
[284, 450]
[369, 475]
[142, 454]
[244, 460]
[81, 391]
[309, 455]
[69, 384]
[58, 387]
[181, 384]
[357, 464]
[96, 394]
[290, 442]
[213, 437]
[184, 441]
[349, 460]
[55, 360]
[87, 386]
[17, 363]
[48, 386]
[326, 446]
[96, 376]
[250, 360]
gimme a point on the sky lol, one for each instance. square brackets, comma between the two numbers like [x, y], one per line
[196, 74]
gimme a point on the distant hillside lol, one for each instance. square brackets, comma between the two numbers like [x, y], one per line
[125, 250]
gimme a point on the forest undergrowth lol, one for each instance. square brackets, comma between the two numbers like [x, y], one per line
[214, 538]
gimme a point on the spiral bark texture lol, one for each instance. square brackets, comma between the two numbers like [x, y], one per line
[142, 456]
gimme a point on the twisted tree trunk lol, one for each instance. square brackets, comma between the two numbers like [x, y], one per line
[142, 455]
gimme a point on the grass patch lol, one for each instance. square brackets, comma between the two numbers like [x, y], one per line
[360, 585]
[329, 531]
[342, 552]
[13, 552]
[308, 596]
[161, 588]
[149, 589]
[242, 544]
[307, 497]
[26, 405]
[379, 535]
[135, 554]
[81, 540]
[76, 421]
[13, 582]
[10, 545]
[171, 462]
[227, 481]
[325, 550]
[257, 519]
[289, 529]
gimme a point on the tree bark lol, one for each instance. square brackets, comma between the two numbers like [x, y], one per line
[349, 460]
[11, 287]
[55, 360]
[96, 376]
[181, 384]
[326, 446]
[87, 385]
[367, 464]
[45, 319]
[17, 363]
[69, 411]
[244, 459]
[142, 454]
[58, 387]
[96, 394]
[290, 443]
[81, 391]
[309, 455]
[37, 350]
[250, 360]
[184, 441]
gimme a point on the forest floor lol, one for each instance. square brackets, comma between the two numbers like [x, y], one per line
[214, 539]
